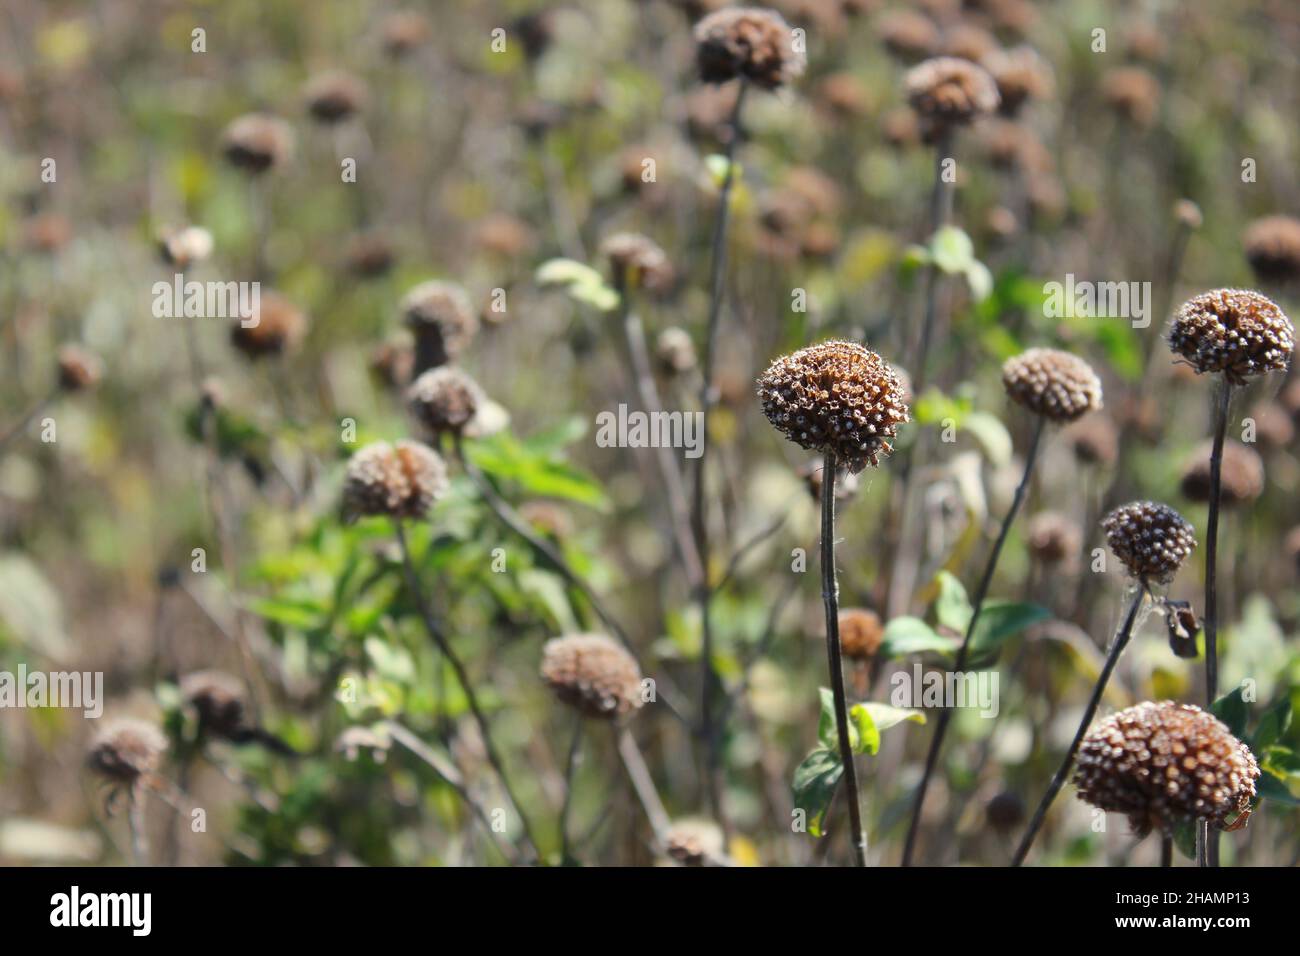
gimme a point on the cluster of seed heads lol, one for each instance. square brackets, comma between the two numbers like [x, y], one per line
[1151, 540]
[747, 42]
[1051, 383]
[1233, 331]
[400, 481]
[948, 91]
[593, 674]
[694, 842]
[1163, 763]
[837, 397]
[127, 751]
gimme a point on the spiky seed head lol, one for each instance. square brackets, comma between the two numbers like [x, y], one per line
[946, 91]
[256, 143]
[1233, 331]
[1094, 440]
[1151, 540]
[861, 633]
[400, 481]
[219, 701]
[1272, 247]
[1133, 93]
[442, 319]
[334, 96]
[274, 329]
[1021, 75]
[1057, 385]
[1164, 763]
[1054, 538]
[1241, 476]
[637, 260]
[675, 351]
[182, 248]
[693, 842]
[747, 41]
[79, 370]
[445, 400]
[836, 397]
[126, 751]
[593, 674]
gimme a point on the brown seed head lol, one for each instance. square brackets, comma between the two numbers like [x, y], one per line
[1241, 477]
[1151, 540]
[1054, 538]
[445, 400]
[1272, 247]
[275, 328]
[403, 32]
[694, 842]
[1233, 331]
[1094, 440]
[750, 42]
[675, 351]
[1005, 811]
[392, 363]
[1188, 214]
[219, 701]
[1133, 93]
[861, 632]
[504, 235]
[592, 673]
[968, 42]
[257, 142]
[1055, 384]
[1162, 763]
[638, 261]
[184, 247]
[78, 369]
[334, 96]
[400, 481]
[837, 397]
[127, 750]
[1021, 75]
[947, 92]
[443, 320]
[908, 35]
[370, 255]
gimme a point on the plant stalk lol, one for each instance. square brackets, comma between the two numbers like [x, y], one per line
[1210, 842]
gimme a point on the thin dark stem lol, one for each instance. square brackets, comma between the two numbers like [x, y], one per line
[570, 768]
[831, 600]
[699, 514]
[136, 823]
[940, 213]
[945, 715]
[1112, 658]
[1210, 843]
[23, 422]
[1166, 850]
[462, 678]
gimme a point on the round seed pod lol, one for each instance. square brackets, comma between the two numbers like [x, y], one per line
[442, 319]
[1273, 424]
[445, 400]
[1054, 538]
[391, 363]
[750, 42]
[400, 481]
[334, 96]
[126, 751]
[219, 701]
[256, 143]
[861, 632]
[1051, 383]
[638, 261]
[968, 42]
[370, 255]
[900, 128]
[1133, 93]
[1236, 332]
[1188, 214]
[1151, 540]
[947, 92]
[837, 397]
[184, 247]
[694, 842]
[908, 35]
[1163, 763]
[502, 234]
[593, 674]
[1241, 476]
[1021, 75]
[1094, 440]
[78, 369]
[1272, 247]
[275, 328]
[1005, 811]
[843, 96]
[402, 32]
[675, 351]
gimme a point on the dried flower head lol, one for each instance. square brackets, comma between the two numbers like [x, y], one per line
[403, 31]
[1163, 763]
[838, 397]
[1005, 811]
[78, 369]
[1151, 540]
[1272, 247]
[1133, 93]
[1241, 476]
[968, 42]
[747, 42]
[843, 96]
[392, 363]
[1273, 425]
[1054, 538]
[908, 35]
[946, 91]
[504, 235]
[1094, 440]
[184, 247]
[638, 261]
[445, 400]
[675, 351]
[1188, 214]
[1233, 331]
[861, 633]
[693, 842]
[400, 481]
[1021, 75]
[370, 255]
[219, 701]
[592, 673]
[257, 142]
[334, 96]
[127, 751]
[46, 232]
[1055, 384]
[275, 328]
[442, 319]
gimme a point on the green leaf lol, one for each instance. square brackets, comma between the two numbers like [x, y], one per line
[304, 614]
[1185, 838]
[911, 635]
[506, 458]
[1272, 726]
[567, 272]
[717, 165]
[391, 663]
[31, 609]
[826, 722]
[600, 297]
[1231, 708]
[1274, 788]
[980, 280]
[864, 735]
[952, 608]
[885, 716]
[1002, 620]
[952, 250]
[814, 784]
[992, 436]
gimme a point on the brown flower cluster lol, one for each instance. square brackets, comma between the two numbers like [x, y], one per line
[126, 751]
[947, 91]
[861, 632]
[1055, 384]
[592, 673]
[747, 42]
[1241, 475]
[1233, 331]
[1151, 540]
[400, 481]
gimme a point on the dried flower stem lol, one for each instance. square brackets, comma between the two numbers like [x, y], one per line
[462, 678]
[570, 768]
[945, 715]
[26, 418]
[642, 782]
[830, 600]
[1208, 842]
[136, 823]
[1058, 781]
